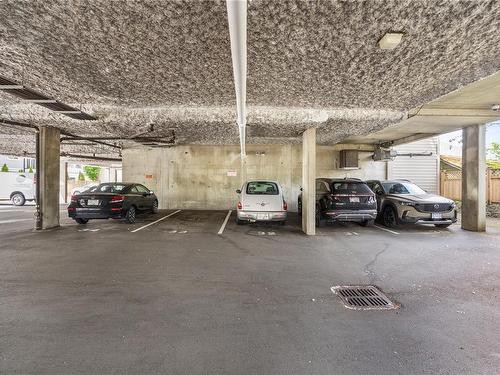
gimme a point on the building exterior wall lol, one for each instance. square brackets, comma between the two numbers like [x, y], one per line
[17, 163]
[422, 170]
[206, 177]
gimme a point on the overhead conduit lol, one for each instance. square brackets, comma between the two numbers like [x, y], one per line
[237, 20]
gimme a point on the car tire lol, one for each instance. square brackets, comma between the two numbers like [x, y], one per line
[240, 222]
[18, 199]
[319, 221]
[442, 225]
[155, 207]
[390, 217]
[82, 221]
[367, 223]
[130, 215]
[283, 222]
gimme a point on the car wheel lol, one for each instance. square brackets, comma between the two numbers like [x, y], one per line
[155, 207]
[442, 225]
[82, 221]
[390, 217]
[18, 199]
[367, 223]
[130, 215]
[283, 222]
[240, 222]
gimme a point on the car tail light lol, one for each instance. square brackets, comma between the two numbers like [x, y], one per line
[285, 206]
[239, 206]
[74, 198]
[117, 198]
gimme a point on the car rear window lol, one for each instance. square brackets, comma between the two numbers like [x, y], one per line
[344, 187]
[262, 188]
[108, 188]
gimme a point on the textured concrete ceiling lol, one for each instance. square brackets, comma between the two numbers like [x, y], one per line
[134, 64]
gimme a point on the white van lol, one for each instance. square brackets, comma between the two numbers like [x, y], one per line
[261, 201]
[17, 187]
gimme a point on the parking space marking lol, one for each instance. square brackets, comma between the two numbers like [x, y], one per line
[156, 221]
[221, 230]
[387, 230]
[13, 221]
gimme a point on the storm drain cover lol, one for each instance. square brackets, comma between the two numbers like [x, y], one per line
[363, 297]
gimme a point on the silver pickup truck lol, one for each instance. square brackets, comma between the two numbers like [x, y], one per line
[17, 187]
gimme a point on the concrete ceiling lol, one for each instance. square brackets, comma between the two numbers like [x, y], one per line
[164, 68]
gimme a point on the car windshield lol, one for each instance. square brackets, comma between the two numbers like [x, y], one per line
[349, 187]
[262, 188]
[402, 188]
[107, 188]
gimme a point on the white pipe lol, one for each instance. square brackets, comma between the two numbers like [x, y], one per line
[237, 20]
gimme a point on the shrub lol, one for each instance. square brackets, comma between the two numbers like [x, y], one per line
[92, 172]
[5, 168]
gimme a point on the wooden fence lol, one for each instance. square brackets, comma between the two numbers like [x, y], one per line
[451, 185]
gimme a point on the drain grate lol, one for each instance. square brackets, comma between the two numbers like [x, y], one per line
[363, 297]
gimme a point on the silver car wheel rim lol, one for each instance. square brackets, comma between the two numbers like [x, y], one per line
[17, 199]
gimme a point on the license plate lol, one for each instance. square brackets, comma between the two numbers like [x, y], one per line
[354, 199]
[437, 215]
[93, 202]
[262, 216]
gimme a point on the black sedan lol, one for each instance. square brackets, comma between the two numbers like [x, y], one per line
[116, 200]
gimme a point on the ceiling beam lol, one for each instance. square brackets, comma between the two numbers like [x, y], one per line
[237, 20]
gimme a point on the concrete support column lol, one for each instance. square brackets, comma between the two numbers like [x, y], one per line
[474, 178]
[49, 176]
[309, 181]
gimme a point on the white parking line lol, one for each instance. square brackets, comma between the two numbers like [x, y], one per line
[225, 222]
[154, 222]
[387, 230]
[13, 221]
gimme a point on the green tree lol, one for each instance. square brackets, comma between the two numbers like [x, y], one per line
[495, 150]
[92, 172]
[30, 170]
[5, 168]
[81, 177]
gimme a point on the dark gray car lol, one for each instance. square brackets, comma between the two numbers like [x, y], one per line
[403, 202]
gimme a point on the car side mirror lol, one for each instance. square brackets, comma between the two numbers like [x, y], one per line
[238, 191]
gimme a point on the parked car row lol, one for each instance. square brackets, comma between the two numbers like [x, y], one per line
[391, 202]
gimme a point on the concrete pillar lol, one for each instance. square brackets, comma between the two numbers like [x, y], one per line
[474, 178]
[309, 181]
[49, 176]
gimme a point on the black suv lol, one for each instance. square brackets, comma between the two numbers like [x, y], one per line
[346, 199]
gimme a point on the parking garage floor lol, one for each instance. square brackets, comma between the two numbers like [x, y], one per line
[177, 297]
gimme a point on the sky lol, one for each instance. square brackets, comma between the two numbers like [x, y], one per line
[451, 143]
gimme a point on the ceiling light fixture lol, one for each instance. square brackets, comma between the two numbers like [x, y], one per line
[390, 40]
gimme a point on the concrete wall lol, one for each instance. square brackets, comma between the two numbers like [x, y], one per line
[202, 177]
